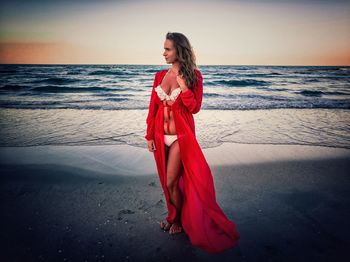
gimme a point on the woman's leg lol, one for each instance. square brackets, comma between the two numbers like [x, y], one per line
[174, 165]
[165, 225]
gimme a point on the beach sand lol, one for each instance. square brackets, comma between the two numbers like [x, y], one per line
[104, 203]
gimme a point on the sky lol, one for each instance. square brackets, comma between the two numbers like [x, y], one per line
[222, 32]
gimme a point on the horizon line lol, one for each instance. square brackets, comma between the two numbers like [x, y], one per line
[165, 65]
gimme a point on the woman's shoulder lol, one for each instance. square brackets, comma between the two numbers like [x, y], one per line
[198, 71]
[160, 73]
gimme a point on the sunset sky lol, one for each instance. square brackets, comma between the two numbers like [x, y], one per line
[250, 32]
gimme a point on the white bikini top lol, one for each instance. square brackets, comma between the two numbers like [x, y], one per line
[162, 95]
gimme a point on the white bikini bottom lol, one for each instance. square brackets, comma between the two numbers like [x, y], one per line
[169, 139]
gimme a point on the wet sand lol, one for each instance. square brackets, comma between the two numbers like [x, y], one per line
[103, 203]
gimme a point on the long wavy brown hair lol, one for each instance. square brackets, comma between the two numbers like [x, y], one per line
[186, 58]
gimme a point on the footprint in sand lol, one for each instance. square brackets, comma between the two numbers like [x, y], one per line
[123, 212]
[152, 184]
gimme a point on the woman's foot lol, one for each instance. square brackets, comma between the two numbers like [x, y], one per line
[165, 225]
[175, 228]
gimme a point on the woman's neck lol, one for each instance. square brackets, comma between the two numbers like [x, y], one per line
[175, 68]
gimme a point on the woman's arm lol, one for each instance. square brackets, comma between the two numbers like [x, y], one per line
[193, 99]
[152, 110]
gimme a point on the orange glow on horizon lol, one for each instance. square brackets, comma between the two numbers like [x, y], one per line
[63, 53]
[221, 33]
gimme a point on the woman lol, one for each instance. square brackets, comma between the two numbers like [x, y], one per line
[183, 171]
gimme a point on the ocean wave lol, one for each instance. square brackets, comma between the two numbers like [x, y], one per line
[273, 89]
[151, 70]
[57, 105]
[75, 73]
[318, 79]
[115, 99]
[56, 81]
[263, 75]
[211, 95]
[12, 87]
[310, 93]
[106, 72]
[10, 71]
[66, 89]
[336, 93]
[318, 93]
[279, 106]
[225, 105]
[114, 95]
[233, 82]
[247, 96]
[261, 97]
[225, 86]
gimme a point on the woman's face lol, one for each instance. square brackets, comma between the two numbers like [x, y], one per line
[169, 52]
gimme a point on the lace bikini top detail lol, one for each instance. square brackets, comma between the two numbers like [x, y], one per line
[162, 95]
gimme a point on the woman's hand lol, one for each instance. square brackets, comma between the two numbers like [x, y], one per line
[182, 83]
[151, 145]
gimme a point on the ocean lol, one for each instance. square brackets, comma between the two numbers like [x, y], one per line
[107, 104]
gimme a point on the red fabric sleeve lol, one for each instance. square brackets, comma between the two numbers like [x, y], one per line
[152, 110]
[193, 99]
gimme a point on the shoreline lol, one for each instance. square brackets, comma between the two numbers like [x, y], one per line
[133, 160]
[315, 127]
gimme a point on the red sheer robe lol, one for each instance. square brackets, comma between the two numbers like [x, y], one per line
[202, 219]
